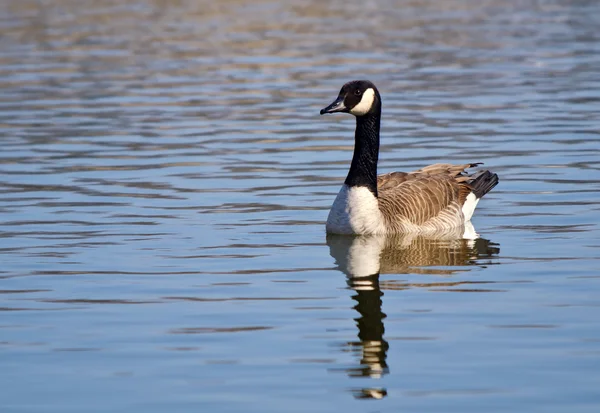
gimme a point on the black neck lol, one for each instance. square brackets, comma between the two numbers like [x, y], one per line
[363, 170]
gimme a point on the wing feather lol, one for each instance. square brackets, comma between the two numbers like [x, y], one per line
[429, 195]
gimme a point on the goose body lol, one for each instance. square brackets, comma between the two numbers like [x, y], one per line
[431, 199]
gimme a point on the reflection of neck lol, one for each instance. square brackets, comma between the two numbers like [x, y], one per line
[363, 170]
[370, 325]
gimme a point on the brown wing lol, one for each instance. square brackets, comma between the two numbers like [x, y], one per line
[420, 196]
[393, 179]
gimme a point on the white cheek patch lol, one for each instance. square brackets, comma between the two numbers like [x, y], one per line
[365, 103]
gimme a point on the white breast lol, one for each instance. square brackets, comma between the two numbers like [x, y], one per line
[355, 211]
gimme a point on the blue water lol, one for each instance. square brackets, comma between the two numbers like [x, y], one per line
[165, 178]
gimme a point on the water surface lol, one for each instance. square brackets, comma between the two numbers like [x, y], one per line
[165, 178]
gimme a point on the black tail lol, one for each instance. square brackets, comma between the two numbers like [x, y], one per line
[483, 182]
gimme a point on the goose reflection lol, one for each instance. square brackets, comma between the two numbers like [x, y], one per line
[364, 258]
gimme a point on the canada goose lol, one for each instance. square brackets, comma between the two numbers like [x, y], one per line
[437, 197]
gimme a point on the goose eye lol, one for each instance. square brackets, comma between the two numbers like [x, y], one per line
[357, 92]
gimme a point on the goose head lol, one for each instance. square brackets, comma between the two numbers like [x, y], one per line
[358, 97]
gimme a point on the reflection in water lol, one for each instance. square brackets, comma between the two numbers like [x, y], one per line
[371, 346]
[363, 258]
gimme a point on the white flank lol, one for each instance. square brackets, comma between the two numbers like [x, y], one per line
[365, 103]
[469, 206]
[355, 211]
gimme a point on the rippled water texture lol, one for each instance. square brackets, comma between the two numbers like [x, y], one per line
[165, 178]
